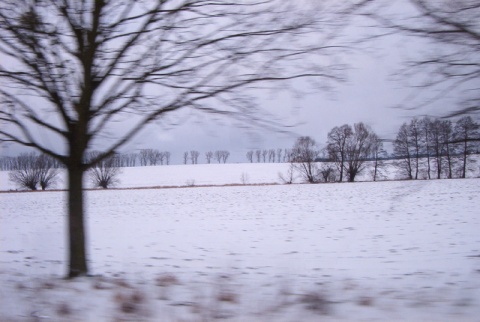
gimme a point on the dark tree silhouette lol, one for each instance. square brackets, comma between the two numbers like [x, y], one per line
[154, 156]
[144, 156]
[437, 145]
[209, 156]
[29, 170]
[47, 171]
[24, 172]
[446, 135]
[194, 154]
[425, 124]
[467, 135]
[402, 149]
[378, 155]
[258, 154]
[337, 144]
[76, 68]
[250, 156]
[304, 158]
[104, 173]
[414, 136]
[279, 155]
[225, 155]
[358, 150]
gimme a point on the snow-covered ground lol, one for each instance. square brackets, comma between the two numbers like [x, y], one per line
[368, 251]
[183, 175]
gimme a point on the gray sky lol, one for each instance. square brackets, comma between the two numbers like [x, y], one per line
[369, 95]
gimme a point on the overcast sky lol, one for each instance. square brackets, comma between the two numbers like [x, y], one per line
[369, 95]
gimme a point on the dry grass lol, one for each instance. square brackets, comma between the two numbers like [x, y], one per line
[317, 302]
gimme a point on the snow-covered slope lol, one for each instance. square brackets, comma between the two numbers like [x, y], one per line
[384, 251]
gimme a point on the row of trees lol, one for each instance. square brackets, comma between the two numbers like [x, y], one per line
[423, 148]
[269, 155]
[152, 157]
[347, 151]
[427, 148]
[8, 163]
[221, 156]
[144, 157]
[30, 170]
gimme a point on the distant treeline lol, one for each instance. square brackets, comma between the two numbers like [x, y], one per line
[423, 147]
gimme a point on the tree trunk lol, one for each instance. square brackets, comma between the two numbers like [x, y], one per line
[428, 163]
[439, 166]
[351, 176]
[464, 166]
[341, 169]
[417, 158]
[449, 162]
[77, 256]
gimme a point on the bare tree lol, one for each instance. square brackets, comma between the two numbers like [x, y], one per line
[452, 63]
[6, 163]
[337, 143]
[378, 156]
[209, 156]
[264, 155]
[29, 170]
[446, 134]
[402, 149]
[144, 153]
[271, 155]
[437, 144]
[132, 159]
[24, 173]
[289, 177]
[358, 150]
[425, 125]
[250, 156]
[154, 156]
[327, 172]
[194, 156]
[185, 157]
[305, 154]
[225, 155]
[167, 157]
[287, 155]
[414, 133]
[218, 156]
[467, 136]
[104, 173]
[161, 157]
[279, 155]
[47, 172]
[258, 154]
[93, 62]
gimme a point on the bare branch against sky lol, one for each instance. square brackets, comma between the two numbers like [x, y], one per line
[92, 65]
[451, 62]
[71, 70]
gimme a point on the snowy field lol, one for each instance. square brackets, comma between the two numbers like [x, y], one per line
[385, 251]
[183, 175]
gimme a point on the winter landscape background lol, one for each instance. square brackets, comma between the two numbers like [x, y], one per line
[367, 251]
